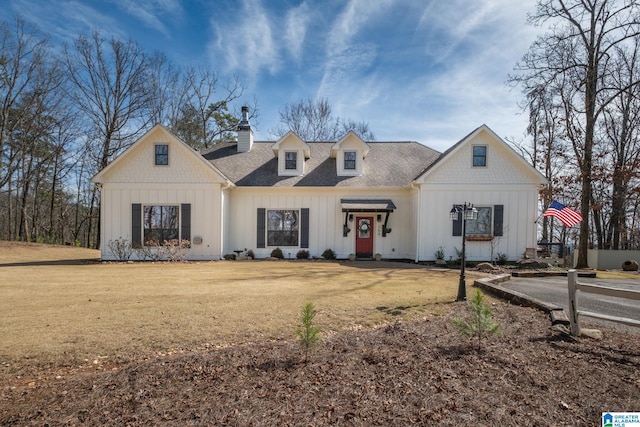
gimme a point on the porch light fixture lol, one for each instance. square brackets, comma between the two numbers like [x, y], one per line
[466, 212]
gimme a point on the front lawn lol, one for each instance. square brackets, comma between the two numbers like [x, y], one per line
[60, 305]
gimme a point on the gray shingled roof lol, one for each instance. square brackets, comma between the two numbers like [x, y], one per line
[388, 164]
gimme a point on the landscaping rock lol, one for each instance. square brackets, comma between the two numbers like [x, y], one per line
[531, 264]
[595, 334]
[558, 317]
[630, 265]
[486, 266]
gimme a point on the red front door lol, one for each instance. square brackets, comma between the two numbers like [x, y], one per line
[364, 236]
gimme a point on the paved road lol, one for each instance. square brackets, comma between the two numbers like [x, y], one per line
[554, 290]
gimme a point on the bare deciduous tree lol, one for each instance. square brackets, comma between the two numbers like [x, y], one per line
[573, 58]
[23, 54]
[110, 89]
[166, 93]
[203, 119]
[621, 123]
[313, 120]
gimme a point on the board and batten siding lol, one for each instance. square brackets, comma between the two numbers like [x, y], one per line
[506, 180]
[325, 220]
[187, 179]
[204, 200]
[519, 230]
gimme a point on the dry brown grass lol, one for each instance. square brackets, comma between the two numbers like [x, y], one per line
[60, 306]
[618, 274]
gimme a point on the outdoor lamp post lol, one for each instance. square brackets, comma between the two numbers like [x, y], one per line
[466, 212]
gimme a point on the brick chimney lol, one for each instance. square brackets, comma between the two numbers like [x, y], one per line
[245, 133]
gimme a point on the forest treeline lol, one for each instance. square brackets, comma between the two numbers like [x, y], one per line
[581, 81]
[66, 111]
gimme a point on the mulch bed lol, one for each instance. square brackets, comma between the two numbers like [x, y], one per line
[418, 373]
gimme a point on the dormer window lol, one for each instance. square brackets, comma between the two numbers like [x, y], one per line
[349, 160]
[350, 153]
[291, 153]
[162, 154]
[291, 160]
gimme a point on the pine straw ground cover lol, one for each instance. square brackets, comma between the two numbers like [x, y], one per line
[414, 373]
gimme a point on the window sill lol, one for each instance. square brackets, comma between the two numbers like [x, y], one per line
[479, 238]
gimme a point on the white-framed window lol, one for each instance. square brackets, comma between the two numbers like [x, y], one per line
[283, 227]
[479, 155]
[291, 160]
[349, 160]
[160, 223]
[161, 154]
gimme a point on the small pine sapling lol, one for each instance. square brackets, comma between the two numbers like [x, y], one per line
[307, 331]
[481, 324]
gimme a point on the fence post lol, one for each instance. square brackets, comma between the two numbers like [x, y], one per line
[572, 276]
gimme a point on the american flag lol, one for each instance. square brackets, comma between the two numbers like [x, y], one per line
[567, 216]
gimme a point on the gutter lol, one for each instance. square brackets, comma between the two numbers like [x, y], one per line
[416, 187]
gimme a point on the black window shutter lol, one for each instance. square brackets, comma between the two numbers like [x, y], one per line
[498, 215]
[185, 226]
[304, 225]
[136, 225]
[457, 223]
[260, 227]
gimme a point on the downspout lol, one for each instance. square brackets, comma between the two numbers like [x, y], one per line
[223, 188]
[416, 187]
[102, 223]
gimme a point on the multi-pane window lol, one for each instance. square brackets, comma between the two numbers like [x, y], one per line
[162, 154]
[291, 160]
[282, 228]
[350, 160]
[161, 223]
[479, 155]
[482, 225]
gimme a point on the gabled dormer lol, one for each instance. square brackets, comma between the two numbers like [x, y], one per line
[291, 153]
[350, 153]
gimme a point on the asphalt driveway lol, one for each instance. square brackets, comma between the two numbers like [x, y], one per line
[555, 290]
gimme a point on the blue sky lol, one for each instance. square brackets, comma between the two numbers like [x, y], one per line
[426, 71]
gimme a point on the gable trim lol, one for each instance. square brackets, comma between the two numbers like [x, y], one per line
[363, 145]
[467, 139]
[98, 178]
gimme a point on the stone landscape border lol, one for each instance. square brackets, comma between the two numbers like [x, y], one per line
[555, 312]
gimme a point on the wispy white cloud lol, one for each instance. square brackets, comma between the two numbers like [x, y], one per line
[297, 21]
[350, 21]
[438, 93]
[152, 12]
[344, 74]
[461, 23]
[427, 71]
[477, 62]
[246, 42]
[65, 20]
[349, 59]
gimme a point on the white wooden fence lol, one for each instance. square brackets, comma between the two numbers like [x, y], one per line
[574, 312]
